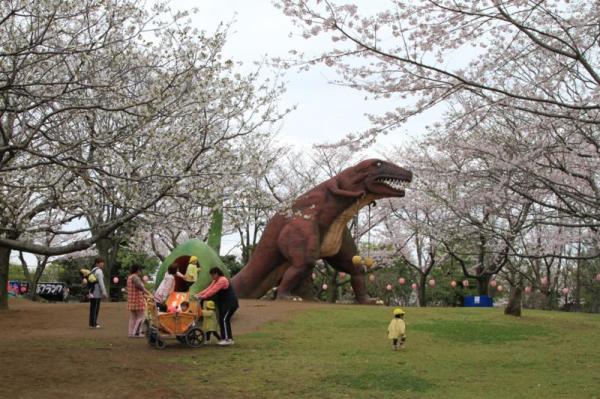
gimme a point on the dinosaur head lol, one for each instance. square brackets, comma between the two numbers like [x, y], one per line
[375, 177]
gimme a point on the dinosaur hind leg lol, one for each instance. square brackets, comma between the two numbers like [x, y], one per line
[299, 244]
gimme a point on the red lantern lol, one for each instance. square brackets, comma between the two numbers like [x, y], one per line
[500, 288]
[342, 274]
[413, 286]
[401, 280]
[371, 277]
[528, 289]
[388, 287]
[324, 286]
[116, 280]
[145, 278]
[493, 283]
[453, 284]
[565, 291]
[432, 283]
[465, 283]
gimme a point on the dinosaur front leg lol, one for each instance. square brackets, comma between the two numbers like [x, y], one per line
[299, 244]
[342, 261]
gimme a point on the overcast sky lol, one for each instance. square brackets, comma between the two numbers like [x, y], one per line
[325, 112]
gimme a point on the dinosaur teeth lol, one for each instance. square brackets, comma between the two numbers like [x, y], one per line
[395, 184]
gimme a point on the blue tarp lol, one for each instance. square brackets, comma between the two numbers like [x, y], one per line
[480, 301]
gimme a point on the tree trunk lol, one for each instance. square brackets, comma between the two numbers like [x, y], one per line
[332, 288]
[513, 308]
[108, 249]
[4, 266]
[422, 290]
[483, 282]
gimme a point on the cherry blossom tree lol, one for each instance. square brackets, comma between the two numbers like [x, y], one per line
[108, 109]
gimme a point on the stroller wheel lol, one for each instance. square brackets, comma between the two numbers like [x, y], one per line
[151, 336]
[160, 344]
[194, 338]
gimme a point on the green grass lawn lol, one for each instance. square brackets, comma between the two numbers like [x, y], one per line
[343, 352]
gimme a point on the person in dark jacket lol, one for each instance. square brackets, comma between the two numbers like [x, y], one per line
[221, 292]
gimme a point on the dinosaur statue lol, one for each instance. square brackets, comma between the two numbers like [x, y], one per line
[316, 228]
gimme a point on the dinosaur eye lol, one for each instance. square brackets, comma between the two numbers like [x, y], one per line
[378, 164]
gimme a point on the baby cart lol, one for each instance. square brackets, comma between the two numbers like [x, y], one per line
[184, 326]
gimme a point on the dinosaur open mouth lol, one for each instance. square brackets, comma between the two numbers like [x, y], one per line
[393, 183]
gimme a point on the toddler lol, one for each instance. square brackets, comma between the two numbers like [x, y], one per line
[397, 329]
[209, 321]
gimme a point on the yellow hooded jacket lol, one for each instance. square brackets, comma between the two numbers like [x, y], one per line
[396, 329]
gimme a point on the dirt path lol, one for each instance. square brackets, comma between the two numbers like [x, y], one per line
[50, 352]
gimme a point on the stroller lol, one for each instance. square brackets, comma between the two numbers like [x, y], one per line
[183, 326]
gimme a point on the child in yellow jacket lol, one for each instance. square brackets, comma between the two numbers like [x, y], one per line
[397, 329]
[209, 321]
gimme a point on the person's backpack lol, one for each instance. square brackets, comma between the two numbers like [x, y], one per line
[90, 276]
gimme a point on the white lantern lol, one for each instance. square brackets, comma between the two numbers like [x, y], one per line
[388, 287]
[401, 281]
[324, 286]
[116, 280]
[465, 283]
[371, 277]
[453, 284]
[432, 283]
[413, 286]
[500, 288]
[493, 283]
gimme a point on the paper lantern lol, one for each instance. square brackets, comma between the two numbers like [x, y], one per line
[369, 262]
[493, 283]
[453, 284]
[465, 283]
[145, 278]
[413, 286]
[116, 280]
[23, 288]
[342, 274]
[598, 277]
[388, 287]
[357, 260]
[499, 288]
[528, 289]
[324, 286]
[371, 277]
[401, 281]
[544, 281]
[84, 281]
[314, 276]
[565, 291]
[431, 283]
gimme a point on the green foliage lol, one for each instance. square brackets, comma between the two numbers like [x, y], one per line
[15, 272]
[232, 264]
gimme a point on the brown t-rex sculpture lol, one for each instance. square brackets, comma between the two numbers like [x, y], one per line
[316, 228]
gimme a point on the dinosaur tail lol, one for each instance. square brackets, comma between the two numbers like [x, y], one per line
[265, 267]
